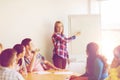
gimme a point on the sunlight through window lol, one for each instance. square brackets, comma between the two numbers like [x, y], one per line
[110, 14]
[110, 22]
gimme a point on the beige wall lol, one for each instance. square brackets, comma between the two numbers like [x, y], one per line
[35, 18]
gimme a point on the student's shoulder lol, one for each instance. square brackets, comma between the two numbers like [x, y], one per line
[98, 61]
[55, 35]
[19, 76]
[15, 72]
[16, 75]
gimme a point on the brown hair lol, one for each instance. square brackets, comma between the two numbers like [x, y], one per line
[115, 62]
[1, 48]
[7, 57]
[19, 48]
[117, 52]
[1, 45]
[93, 53]
[26, 41]
[55, 26]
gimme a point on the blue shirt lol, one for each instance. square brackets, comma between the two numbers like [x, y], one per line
[98, 71]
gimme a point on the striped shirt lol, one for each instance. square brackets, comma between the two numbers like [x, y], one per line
[21, 66]
[60, 44]
[37, 65]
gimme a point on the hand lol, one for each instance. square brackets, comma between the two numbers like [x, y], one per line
[68, 60]
[73, 77]
[24, 73]
[35, 51]
[77, 34]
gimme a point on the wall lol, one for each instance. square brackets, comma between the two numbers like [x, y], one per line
[35, 18]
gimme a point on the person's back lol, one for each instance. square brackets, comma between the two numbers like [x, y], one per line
[96, 63]
[99, 73]
[8, 62]
[9, 74]
[95, 70]
[96, 67]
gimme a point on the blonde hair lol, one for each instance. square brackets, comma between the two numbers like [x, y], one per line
[1, 46]
[55, 26]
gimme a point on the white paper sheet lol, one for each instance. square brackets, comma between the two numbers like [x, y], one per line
[64, 73]
[43, 72]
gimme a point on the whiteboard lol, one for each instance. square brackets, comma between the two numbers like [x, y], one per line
[90, 28]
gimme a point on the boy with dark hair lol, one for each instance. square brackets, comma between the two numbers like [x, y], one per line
[34, 61]
[8, 62]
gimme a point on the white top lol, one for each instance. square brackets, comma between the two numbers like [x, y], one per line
[9, 74]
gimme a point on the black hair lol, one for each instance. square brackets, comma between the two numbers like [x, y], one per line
[19, 48]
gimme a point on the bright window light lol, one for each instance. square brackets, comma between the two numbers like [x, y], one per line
[110, 22]
[110, 14]
[107, 46]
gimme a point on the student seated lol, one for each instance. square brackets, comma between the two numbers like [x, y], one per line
[114, 72]
[96, 68]
[20, 59]
[33, 59]
[8, 61]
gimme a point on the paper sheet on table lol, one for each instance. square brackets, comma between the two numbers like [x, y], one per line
[64, 73]
[42, 72]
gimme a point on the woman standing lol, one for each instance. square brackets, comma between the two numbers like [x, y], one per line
[60, 53]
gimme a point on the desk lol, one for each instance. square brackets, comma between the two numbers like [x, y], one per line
[53, 75]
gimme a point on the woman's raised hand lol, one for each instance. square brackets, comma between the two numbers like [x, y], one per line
[77, 33]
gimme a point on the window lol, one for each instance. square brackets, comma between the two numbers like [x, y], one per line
[110, 24]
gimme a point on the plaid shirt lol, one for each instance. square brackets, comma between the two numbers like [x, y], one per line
[9, 74]
[60, 44]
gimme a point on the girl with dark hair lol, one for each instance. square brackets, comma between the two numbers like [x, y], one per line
[60, 53]
[20, 49]
[96, 68]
